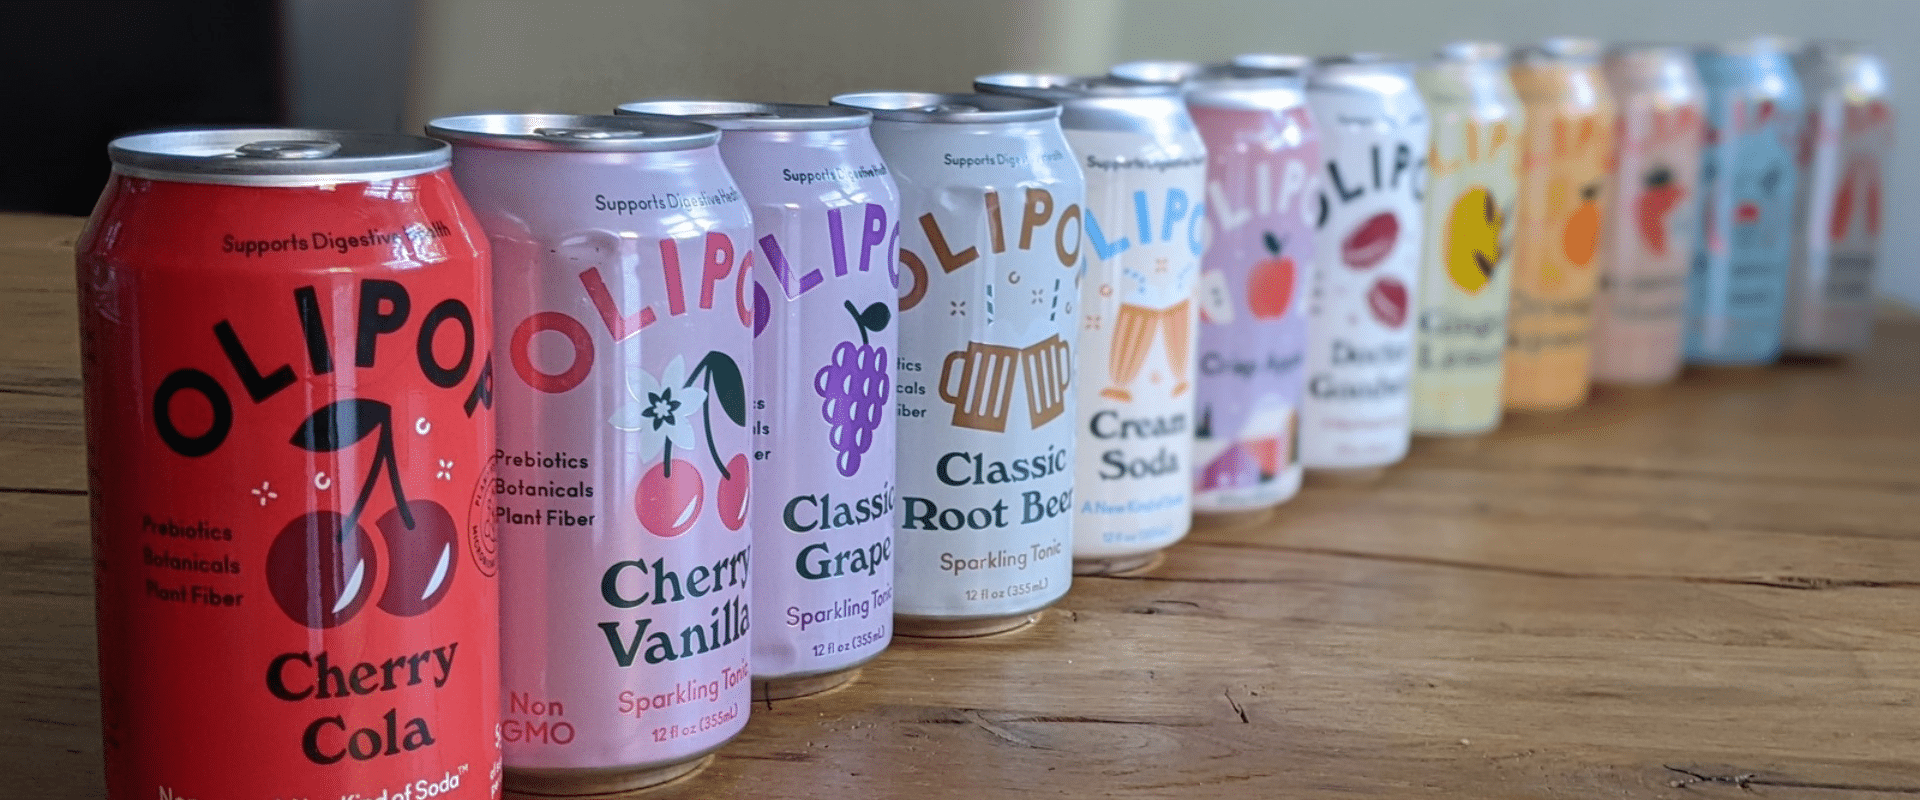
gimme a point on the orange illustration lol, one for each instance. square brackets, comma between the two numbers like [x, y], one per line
[1582, 235]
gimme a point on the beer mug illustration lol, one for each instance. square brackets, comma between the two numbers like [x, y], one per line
[1133, 333]
[981, 386]
[1049, 372]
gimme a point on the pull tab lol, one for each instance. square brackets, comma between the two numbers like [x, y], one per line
[950, 108]
[588, 133]
[288, 149]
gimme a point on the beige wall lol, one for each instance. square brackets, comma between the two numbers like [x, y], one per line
[587, 55]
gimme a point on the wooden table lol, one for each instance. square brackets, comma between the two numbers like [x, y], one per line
[1706, 590]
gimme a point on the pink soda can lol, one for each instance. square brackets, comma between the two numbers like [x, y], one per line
[826, 225]
[1262, 202]
[1843, 169]
[1640, 310]
[625, 308]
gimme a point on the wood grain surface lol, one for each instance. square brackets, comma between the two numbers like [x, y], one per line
[1705, 590]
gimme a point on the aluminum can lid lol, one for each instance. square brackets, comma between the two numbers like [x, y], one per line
[633, 133]
[274, 156]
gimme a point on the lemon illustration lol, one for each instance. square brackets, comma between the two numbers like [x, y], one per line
[1473, 239]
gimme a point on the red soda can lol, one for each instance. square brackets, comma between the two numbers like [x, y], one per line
[622, 252]
[284, 336]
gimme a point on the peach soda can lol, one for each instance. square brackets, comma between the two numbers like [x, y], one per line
[1465, 281]
[1641, 306]
[1564, 184]
[622, 256]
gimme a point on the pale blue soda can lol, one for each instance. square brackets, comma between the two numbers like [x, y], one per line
[1737, 287]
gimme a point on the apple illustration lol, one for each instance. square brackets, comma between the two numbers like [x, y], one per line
[1747, 213]
[1215, 298]
[420, 560]
[669, 497]
[1387, 299]
[319, 572]
[1370, 243]
[1270, 282]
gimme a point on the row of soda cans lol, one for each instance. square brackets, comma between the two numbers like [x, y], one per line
[611, 389]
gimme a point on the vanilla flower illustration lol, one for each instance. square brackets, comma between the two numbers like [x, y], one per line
[662, 411]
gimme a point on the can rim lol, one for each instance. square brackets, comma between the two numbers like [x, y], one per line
[633, 133]
[260, 156]
[744, 115]
[1472, 51]
[1272, 63]
[1059, 88]
[1764, 45]
[1164, 70]
[949, 107]
[1562, 50]
[1362, 61]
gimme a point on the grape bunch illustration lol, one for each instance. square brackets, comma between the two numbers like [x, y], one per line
[853, 388]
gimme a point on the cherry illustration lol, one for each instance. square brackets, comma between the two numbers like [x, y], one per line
[421, 560]
[1387, 299]
[732, 493]
[321, 569]
[1370, 243]
[669, 497]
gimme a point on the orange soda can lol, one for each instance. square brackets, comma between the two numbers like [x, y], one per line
[1564, 185]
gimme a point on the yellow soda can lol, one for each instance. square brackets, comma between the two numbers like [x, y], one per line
[1564, 187]
[1465, 279]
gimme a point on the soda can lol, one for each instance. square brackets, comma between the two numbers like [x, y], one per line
[625, 327]
[1564, 190]
[1263, 170]
[1356, 417]
[1465, 281]
[1653, 212]
[826, 221]
[284, 338]
[1737, 291]
[1843, 158]
[1146, 168]
[988, 262]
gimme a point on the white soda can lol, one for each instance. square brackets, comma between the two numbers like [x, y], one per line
[990, 241]
[825, 220]
[1356, 415]
[624, 312]
[1146, 169]
[1843, 169]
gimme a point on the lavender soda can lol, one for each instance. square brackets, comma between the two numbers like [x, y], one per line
[1356, 418]
[989, 250]
[625, 318]
[1146, 230]
[1843, 162]
[826, 221]
[1736, 294]
[1466, 280]
[1263, 171]
[1640, 307]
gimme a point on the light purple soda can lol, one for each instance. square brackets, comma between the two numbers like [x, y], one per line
[826, 221]
[1262, 202]
[622, 254]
